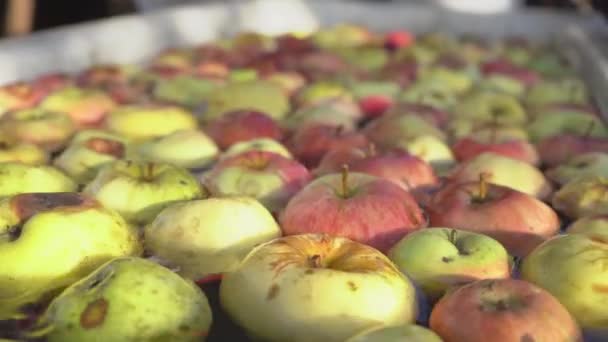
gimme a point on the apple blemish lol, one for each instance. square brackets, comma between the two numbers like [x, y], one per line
[106, 146]
[94, 314]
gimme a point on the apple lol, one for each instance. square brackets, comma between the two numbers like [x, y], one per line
[595, 224]
[321, 91]
[28, 154]
[572, 268]
[469, 148]
[504, 171]
[261, 144]
[502, 84]
[242, 125]
[505, 68]
[559, 149]
[87, 107]
[140, 122]
[52, 240]
[342, 35]
[120, 298]
[387, 130]
[357, 206]
[17, 178]
[19, 95]
[321, 288]
[439, 259]
[457, 80]
[262, 96]
[409, 172]
[517, 220]
[582, 197]
[49, 130]
[398, 40]
[212, 236]
[396, 333]
[191, 149]
[435, 116]
[140, 190]
[432, 93]
[486, 106]
[184, 90]
[291, 82]
[266, 176]
[579, 166]
[507, 310]
[431, 150]
[310, 142]
[556, 123]
[49, 83]
[570, 90]
[492, 131]
[332, 112]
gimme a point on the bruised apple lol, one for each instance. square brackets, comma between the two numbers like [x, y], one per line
[582, 197]
[49, 130]
[262, 144]
[140, 122]
[439, 259]
[242, 125]
[53, 240]
[357, 206]
[396, 333]
[28, 154]
[580, 166]
[506, 310]
[316, 287]
[517, 220]
[87, 107]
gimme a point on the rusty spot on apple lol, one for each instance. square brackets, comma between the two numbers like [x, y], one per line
[526, 338]
[106, 146]
[601, 288]
[447, 259]
[94, 314]
[273, 291]
[27, 205]
[352, 286]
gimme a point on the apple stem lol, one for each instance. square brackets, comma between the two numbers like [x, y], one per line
[483, 186]
[452, 236]
[314, 261]
[345, 189]
[147, 171]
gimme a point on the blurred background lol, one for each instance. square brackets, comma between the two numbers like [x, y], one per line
[21, 17]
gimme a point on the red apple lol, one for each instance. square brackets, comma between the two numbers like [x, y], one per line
[361, 207]
[398, 40]
[468, 148]
[19, 95]
[310, 142]
[243, 125]
[52, 82]
[375, 105]
[559, 148]
[517, 220]
[433, 115]
[505, 67]
[503, 310]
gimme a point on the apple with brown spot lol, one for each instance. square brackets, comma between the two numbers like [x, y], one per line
[242, 125]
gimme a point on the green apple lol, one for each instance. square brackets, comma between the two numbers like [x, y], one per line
[556, 123]
[585, 165]
[140, 122]
[47, 129]
[86, 107]
[211, 236]
[567, 90]
[572, 268]
[462, 127]
[397, 333]
[319, 287]
[582, 197]
[341, 36]
[289, 81]
[501, 170]
[260, 144]
[50, 241]
[432, 93]
[128, 300]
[420, 53]
[187, 91]
[389, 130]
[140, 190]
[597, 224]
[322, 91]
[363, 89]
[503, 84]
[458, 81]
[430, 149]
[190, 149]
[366, 58]
[263, 96]
[491, 107]
[439, 259]
[17, 178]
[88, 151]
[29, 154]
[343, 112]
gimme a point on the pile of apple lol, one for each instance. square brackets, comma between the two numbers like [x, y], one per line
[345, 185]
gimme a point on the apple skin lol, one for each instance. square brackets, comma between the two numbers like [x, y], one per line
[19, 95]
[140, 190]
[88, 151]
[310, 143]
[439, 259]
[583, 165]
[49, 130]
[212, 236]
[409, 172]
[517, 220]
[570, 90]
[315, 287]
[43, 261]
[374, 211]
[504, 171]
[242, 125]
[504, 67]
[507, 310]
[468, 148]
[596, 224]
[582, 197]
[129, 299]
[559, 122]
[28, 154]
[140, 122]
[269, 177]
[262, 144]
[487, 106]
[560, 148]
[408, 332]
[387, 130]
[87, 107]
[572, 268]
[16, 178]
